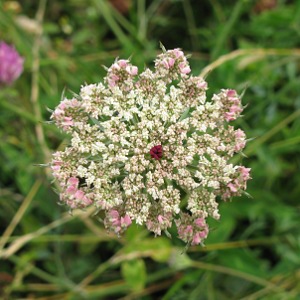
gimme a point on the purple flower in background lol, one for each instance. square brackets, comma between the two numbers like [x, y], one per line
[11, 64]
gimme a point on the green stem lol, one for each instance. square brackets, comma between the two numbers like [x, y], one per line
[223, 36]
[192, 28]
[19, 111]
[64, 283]
[259, 141]
[235, 273]
[105, 10]
[142, 20]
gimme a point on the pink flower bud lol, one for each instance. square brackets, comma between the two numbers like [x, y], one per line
[188, 230]
[184, 68]
[114, 77]
[114, 218]
[232, 187]
[113, 214]
[229, 116]
[132, 70]
[71, 190]
[239, 133]
[160, 219]
[202, 85]
[239, 146]
[231, 93]
[56, 165]
[171, 62]
[245, 172]
[67, 121]
[79, 195]
[196, 239]
[115, 66]
[58, 112]
[111, 82]
[123, 63]
[200, 222]
[178, 53]
[165, 63]
[73, 181]
[203, 234]
[86, 201]
[125, 221]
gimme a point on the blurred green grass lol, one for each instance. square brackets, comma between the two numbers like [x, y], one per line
[253, 252]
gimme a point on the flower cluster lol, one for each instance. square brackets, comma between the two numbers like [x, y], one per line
[11, 64]
[151, 148]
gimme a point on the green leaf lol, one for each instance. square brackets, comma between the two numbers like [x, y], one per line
[134, 273]
[179, 260]
[158, 249]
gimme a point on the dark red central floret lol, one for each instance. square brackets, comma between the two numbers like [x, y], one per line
[156, 152]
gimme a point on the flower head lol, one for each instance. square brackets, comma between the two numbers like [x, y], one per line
[11, 64]
[150, 148]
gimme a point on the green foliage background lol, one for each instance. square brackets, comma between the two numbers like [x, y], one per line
[253, 252]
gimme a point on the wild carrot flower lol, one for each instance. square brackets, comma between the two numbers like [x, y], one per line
[11, 64]
[150, 148]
